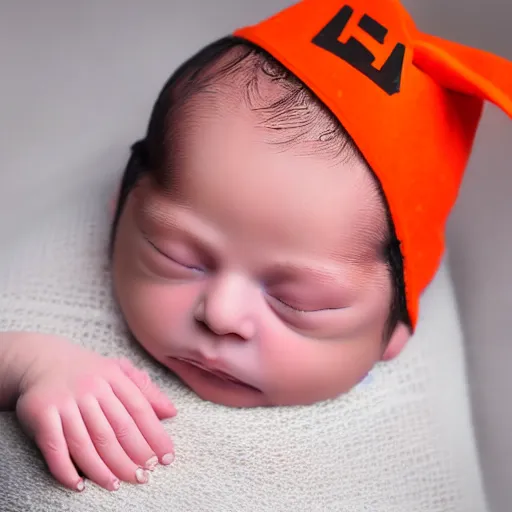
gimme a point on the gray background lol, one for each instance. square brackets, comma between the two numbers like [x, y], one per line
[77, 81]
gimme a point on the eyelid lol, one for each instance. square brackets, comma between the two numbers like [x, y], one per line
[294, 309]
[157, 249]
[303, 311]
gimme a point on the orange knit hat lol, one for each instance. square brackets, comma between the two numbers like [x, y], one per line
[411, 102]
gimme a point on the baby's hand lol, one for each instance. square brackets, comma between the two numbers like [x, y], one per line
[96, 414]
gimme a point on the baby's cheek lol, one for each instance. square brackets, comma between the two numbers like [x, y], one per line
[309, 371]
[154, 311]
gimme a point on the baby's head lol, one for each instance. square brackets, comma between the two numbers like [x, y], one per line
[253, 249]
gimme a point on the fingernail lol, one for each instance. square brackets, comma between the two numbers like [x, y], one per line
[151, 463]
[116, 485]
[80, 486]
[142, 476]
[168, 459]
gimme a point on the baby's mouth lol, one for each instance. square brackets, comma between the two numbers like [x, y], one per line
[226, 377]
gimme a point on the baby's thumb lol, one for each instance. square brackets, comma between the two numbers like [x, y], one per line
[161, 404]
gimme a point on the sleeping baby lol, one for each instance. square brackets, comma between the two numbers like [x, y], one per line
[273, 231]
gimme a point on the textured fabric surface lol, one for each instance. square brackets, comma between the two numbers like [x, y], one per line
[400, 442]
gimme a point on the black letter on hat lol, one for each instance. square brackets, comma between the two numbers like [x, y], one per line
[357, 55]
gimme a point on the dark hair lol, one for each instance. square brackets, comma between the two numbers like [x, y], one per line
[288, 118]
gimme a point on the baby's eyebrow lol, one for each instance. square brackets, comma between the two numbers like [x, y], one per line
[173, 220]
[324, 274]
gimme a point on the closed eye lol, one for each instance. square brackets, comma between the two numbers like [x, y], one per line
[170, 258]
[300, 310]
[295, 309]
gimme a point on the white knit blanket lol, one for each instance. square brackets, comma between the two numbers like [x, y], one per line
[401, 442]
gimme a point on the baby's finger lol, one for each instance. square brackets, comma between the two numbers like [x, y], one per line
[161, 404]
[126, 431]
[49, 437]
[107, 444]
[145, 418]
[82, 450]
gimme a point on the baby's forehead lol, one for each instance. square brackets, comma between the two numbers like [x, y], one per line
[245, 81]
[250, 190]
[253, 145]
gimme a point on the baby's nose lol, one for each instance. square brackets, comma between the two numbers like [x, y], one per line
[225, 308]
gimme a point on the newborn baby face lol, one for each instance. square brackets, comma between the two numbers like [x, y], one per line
[257, 277]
